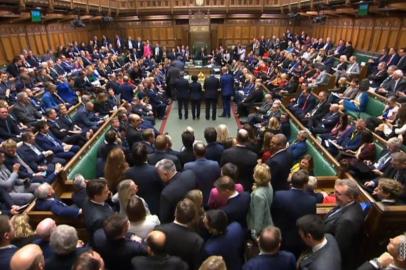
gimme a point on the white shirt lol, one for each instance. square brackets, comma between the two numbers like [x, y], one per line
[320, 245]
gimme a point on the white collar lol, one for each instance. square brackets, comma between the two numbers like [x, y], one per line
[180, 224]
[102, 204]
[235, 194]
[320, 245]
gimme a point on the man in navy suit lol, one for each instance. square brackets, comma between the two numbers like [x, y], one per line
[270, 256]
[299, 147]
[280, 162]
[237, 203]
[86, 119]
[304, 103]
[183, 95]
[47, 141]
[227, 91]
[206, 171]
[8, 126]
[46, 201]
[127, 90]
[146, 177]
[214, 150]
[288, 206]
[327, 123]
[177, 185]
[211, 87]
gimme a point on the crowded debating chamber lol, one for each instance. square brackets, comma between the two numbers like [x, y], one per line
[203, 135]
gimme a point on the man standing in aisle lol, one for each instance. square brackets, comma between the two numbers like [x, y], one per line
[227, 91]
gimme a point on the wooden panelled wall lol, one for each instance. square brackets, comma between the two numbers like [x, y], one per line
[366, 34]
[39, 38]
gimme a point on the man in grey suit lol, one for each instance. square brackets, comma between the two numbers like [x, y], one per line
[322, 79]
[324, 252]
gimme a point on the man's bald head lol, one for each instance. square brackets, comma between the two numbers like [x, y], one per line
[242, 136]
[45, 228]
[28, 257]
[156, 241]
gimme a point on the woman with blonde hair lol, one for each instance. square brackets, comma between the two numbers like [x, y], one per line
[274, 125]
[115, 167]
[259, 214]
[23, 233]
[196, 196]
[141, 221]
[223, 136]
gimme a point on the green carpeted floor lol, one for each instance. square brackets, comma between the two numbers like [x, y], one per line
[174, 126]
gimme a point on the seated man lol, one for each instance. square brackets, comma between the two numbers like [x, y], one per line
[47, 141]
[86, 119]
[304, 103]
[46, 201]
[7, 249]
[299, 147]
[389, 191]
[328, 122]
[24, 111]
[8, 126]
[25, 172]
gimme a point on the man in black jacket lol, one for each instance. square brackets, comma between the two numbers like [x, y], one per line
[177, 186]
[181, 240]
[183, 95]
[157, 257]
[319, 111]
[211, 87]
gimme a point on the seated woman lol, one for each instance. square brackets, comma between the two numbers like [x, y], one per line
[388, 191]
[341, 128]
[306, 164]
[141, 222]
[359, 103]
[274, 126]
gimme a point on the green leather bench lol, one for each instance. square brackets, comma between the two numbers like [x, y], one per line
[374, 108]
[87, 164]
[321, 166]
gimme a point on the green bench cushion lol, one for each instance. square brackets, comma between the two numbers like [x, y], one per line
[87, 165]
[322, 167]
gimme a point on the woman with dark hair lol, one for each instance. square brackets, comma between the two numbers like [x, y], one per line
[227, 240]
[341, 128]
[141, 222]
[196, 95]
[115, 167]
[398, 129]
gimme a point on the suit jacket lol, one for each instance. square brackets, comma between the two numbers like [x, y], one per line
[214, 151]
[57, 207]
[328, 257]
[320, 110]
[211, 87]
[5, 202]
[395, 87]
[207, 172]
[63, 262]
[298, 150]
[172, 75]
[86, 119]
[95, 214]
[227, 85]
[330, 120]
[47, 144]
[322, 79]
[346, 225]
[183, 243]
[351, 139]
[402, 63]
[134, 135]
[173, 192]
[280, 164]
[126, 91]
[237, 208]
[245, 160]
[196, 92]
[149, 184]
[287, 207]
[230, 246]
[158, 155]
[182, 88]
[259, 215]
[30, 157]
[26, 113]
[119, 252]
[8, 128]
[283, 260]
[162, 262]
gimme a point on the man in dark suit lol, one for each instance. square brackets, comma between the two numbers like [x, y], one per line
[227, 91]
[158, 53]
[327, 122]
[288, 206]
[127, 90]
[181, 240]
[280, 162]
[214, 150]
[206, 171]
[47, 141]
[146, 177]
[237, 203]
[46, 201]
[134, 130]
[243, 157]
[115, 244]
[8, 126]
[304, 103]
[402, 60]
[95, 209]
[157, 257]
[172, 76]
[345, 221]
[24, 111]
[320, 110]
[392, 259]
[211, 88]
[177, 185]
[270, 256]
[139, 48]
[183, 95]
[86, 119]
[161, 152]
[323, 250]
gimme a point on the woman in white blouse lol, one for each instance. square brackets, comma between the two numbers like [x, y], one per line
[141, 222]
